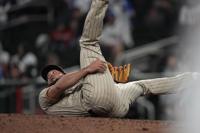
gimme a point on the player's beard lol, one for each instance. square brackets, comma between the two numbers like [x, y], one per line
[52, 83]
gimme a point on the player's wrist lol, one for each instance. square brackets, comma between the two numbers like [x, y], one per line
[85, 71]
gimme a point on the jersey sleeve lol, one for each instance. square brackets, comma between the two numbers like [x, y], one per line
[44, 101]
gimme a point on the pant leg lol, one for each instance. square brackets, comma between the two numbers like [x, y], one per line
[89, 42]
[98, 89]
[166, 85]
[129, 92]
[93, 26]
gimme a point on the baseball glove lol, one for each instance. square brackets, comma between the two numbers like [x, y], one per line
[120, 74]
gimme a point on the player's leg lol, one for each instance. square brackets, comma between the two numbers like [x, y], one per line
[98, 90]
[129, 92]
[89, 42]
[93, 25]
[167, 84]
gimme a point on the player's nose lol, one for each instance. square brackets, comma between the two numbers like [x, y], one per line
[50, 75]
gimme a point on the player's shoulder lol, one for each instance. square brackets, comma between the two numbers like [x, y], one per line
[43, 100]
[43, 92]
[43, 97]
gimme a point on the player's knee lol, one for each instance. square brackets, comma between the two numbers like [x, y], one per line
[140, 87]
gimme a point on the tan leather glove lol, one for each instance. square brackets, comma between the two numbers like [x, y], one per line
[120, 74]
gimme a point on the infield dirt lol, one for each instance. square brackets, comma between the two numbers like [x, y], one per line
[18, 123]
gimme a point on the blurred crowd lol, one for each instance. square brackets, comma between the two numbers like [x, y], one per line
[128, 24]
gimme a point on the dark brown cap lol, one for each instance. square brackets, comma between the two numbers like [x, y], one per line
[48, 68]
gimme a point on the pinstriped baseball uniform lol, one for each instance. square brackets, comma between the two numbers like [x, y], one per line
[129, 92]
[98, 92]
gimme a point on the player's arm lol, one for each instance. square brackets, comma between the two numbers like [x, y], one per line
[94, 22]
[68, 80]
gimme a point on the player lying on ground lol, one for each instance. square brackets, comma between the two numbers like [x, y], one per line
[92, 90]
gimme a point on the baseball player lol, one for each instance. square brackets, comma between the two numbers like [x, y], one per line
[92, 90]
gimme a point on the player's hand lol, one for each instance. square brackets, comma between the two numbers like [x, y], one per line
[96, 66]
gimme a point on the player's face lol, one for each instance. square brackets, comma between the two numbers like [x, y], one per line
[53, 76]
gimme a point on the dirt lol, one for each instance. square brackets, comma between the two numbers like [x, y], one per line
[19, 123]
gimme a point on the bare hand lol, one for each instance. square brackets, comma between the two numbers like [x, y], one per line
[96, 66]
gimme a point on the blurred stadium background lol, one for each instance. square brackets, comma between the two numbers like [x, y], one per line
[34, 33]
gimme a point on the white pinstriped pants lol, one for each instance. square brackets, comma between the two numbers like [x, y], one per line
[99, 92]
[107, 98]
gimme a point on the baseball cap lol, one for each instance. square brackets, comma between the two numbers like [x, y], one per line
[48, 68]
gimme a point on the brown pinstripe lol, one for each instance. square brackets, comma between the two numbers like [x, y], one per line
[99, 91]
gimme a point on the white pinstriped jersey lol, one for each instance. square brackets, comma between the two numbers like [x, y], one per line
[98, 92]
